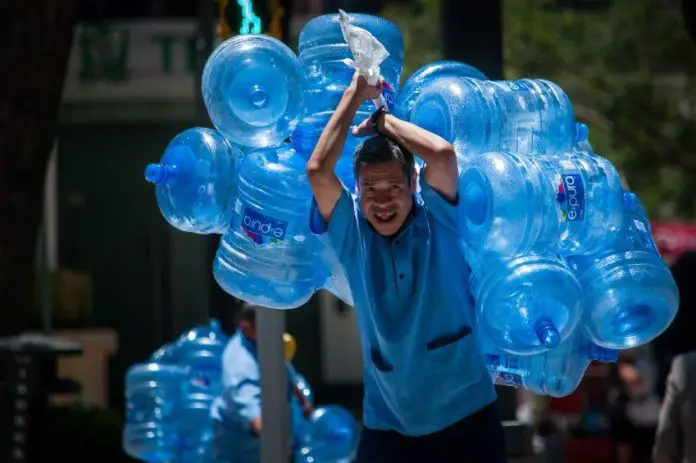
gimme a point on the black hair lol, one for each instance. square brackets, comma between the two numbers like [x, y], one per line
[249, 314]
[381, 149]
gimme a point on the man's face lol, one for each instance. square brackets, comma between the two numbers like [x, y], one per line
[386, 196]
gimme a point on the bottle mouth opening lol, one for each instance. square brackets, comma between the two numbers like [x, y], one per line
[548, 334]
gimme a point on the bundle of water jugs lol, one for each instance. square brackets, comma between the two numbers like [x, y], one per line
[169, 400]
[564, 269]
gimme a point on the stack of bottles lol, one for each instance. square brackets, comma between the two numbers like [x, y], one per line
[563, 267]
[559, 251]
[168, 399]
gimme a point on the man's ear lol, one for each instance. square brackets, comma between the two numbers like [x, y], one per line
[414, 180]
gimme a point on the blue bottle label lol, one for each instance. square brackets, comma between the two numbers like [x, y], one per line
[388, 93]
[261, 228]
[570, 195]
[509, 379]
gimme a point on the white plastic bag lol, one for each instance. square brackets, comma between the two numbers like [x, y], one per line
[368, 53]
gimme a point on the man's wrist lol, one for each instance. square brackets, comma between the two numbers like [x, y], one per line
[382, 123]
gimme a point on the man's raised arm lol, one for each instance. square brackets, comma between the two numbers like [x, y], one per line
[320, 167]
[438, 154]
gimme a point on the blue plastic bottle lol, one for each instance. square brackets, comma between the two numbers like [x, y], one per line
[195, 181]
[477, 116]
[629, 294]
[322, 50]
[153, 399]
[305, 138]
[334, 436]
[200, 351]
[569, 204]
[556, 373]
[268, 257]
[165, 354]
[411, 89]
[526, 304]
[253, 89]
[583, 145]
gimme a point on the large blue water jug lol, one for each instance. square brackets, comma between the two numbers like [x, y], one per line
[305, 138]
[411, 89]
[334, 436]
[526, 304]
[629, 294]
[477, 116]
[253, 89]
[165, 354]
[268, 257]
[200, 351]
[556, 373]
[195, 181]
[153, 397]
[570, 204]
[322, 51]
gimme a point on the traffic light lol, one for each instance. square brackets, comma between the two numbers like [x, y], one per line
[241, 17]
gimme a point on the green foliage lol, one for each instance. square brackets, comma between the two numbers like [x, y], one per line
[419, 23]
[628, 68]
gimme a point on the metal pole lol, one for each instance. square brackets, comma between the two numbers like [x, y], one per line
[204, 46]
[275, 412]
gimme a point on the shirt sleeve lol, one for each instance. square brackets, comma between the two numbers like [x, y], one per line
[246, 398]
[340, 233]
[440, 208]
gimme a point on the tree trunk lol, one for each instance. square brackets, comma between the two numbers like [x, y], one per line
[35, 44]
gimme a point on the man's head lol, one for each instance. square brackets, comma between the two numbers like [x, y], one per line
[248, 323]
[386, 178]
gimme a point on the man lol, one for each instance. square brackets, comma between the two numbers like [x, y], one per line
[237, 413]
[428, 396]
[674, 441]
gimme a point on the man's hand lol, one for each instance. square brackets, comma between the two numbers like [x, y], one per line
[365, 91]
[256, 426]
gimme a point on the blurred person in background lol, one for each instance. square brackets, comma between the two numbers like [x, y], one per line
[675, 440]
[679, 338]
[236, 413]
[635, 411]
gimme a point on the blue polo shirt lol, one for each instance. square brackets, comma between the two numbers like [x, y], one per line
[422, 368]
[240, 403]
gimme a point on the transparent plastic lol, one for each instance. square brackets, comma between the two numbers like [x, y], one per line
[268, 257]
[305, 138]
[556, 373]
[253, 89]
[478, 116]
[629, 295]
[323, 52]
[569, 204]
[526, 304]
[333, 438]
[195, 181]
[412, 88]
[153, 400]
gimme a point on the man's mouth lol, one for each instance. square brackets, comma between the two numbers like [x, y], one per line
[385, 217]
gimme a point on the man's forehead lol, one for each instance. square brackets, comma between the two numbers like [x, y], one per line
[379, 173]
